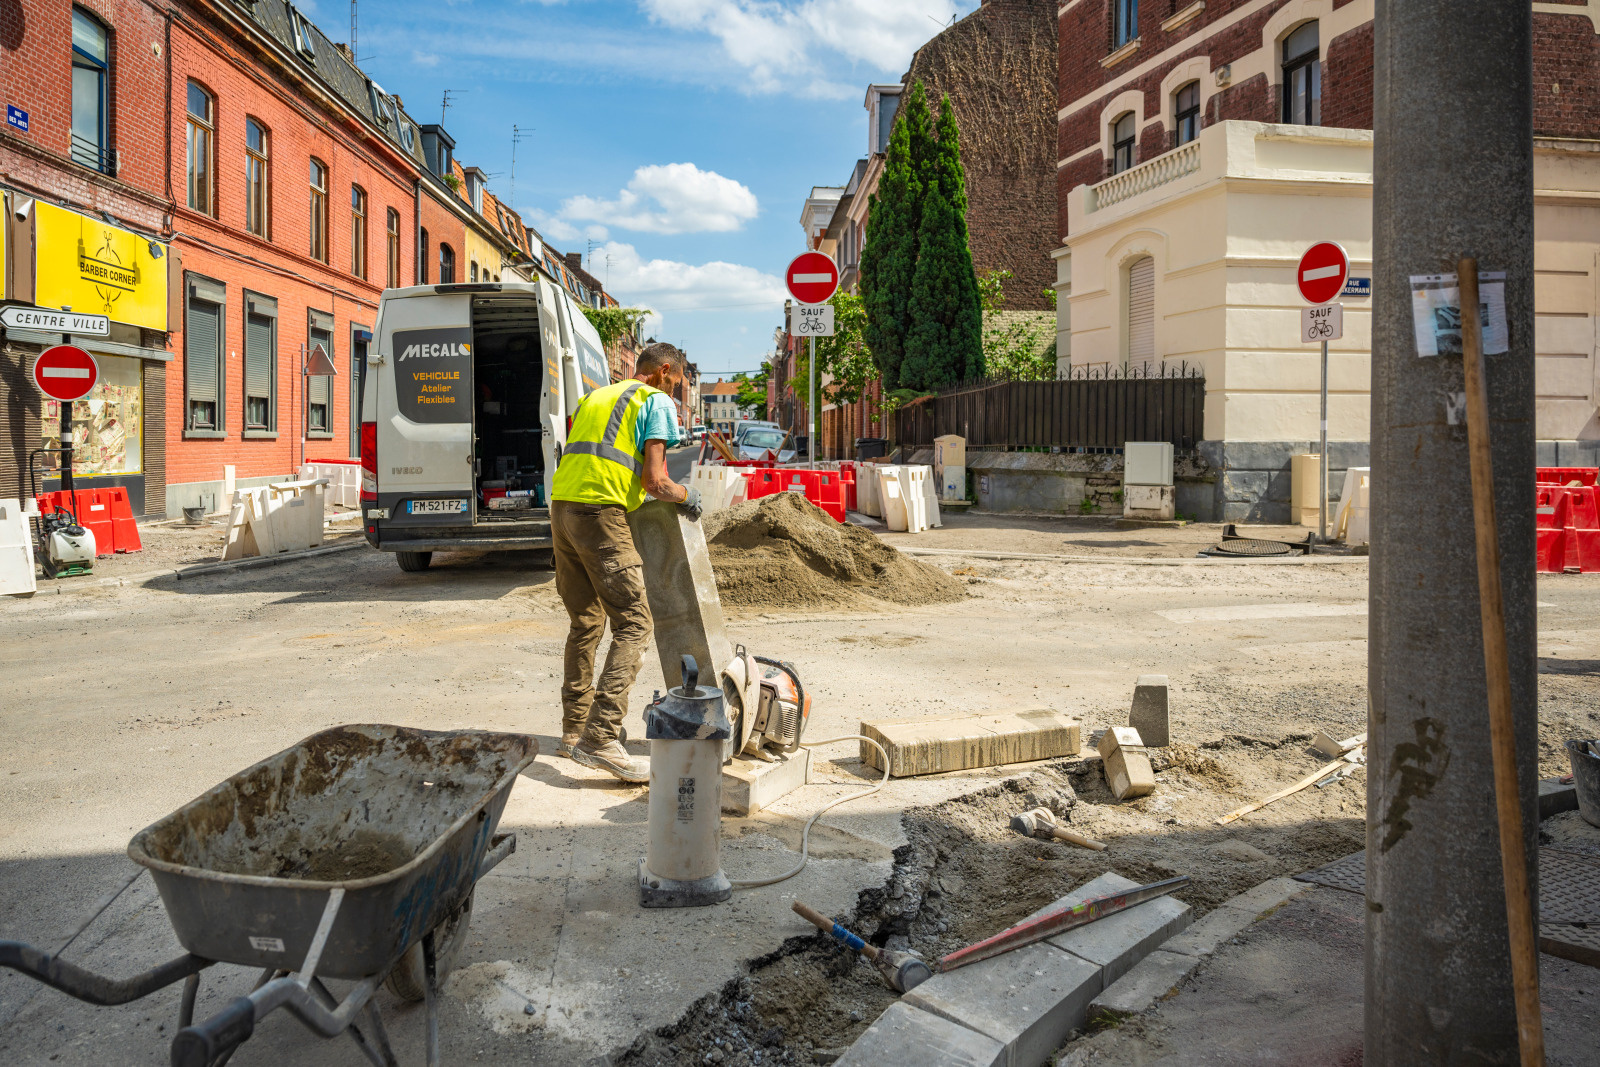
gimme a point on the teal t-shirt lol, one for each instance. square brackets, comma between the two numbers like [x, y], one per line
[658, 421]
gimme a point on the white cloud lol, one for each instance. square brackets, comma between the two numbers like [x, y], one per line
[776, 41]
[425, 59]
[674, 198]
[555, 228]
[678, 287]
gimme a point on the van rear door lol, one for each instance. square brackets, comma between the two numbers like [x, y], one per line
[424, 425]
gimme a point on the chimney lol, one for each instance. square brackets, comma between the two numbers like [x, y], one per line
[574, 260]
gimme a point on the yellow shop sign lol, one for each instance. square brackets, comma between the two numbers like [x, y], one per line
[94, 268]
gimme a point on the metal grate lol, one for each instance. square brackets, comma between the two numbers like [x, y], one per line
[1578, 943]
[1569, 884]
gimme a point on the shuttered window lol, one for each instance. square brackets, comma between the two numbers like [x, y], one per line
[1141, 311]
[205, 306]
[260, 364]
[319, 387]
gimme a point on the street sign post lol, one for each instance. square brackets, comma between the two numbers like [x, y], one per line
[65, 373]
[1320, 278]
[812, 278]
[1322, 272]
[811, 320]
[26, 318]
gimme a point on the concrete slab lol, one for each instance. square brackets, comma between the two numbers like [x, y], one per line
[1149, 713]
[1555, 798]
[682, 591]
[932, 745]
[748, 786]
[1117, 942]
[903, 1036]
[1028, 1000]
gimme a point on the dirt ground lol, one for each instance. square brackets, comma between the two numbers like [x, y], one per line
[211, 674]
[1077, 535]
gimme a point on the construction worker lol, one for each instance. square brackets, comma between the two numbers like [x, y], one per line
[616, 453]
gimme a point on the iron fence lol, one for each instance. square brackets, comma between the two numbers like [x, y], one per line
[1092, 408]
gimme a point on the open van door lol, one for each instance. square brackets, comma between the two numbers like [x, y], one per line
[425, 424]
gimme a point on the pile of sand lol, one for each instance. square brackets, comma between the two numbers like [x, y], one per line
[783, 551]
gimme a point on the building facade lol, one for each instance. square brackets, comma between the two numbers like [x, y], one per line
[719, 406]
[1203, 147]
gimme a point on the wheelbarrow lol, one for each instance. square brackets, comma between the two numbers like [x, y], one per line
[352, 855]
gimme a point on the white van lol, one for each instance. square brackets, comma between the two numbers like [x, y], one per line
[465, 400]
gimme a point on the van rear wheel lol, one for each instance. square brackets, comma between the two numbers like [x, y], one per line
[413, 561]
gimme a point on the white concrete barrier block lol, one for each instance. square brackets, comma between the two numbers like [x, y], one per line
[16, 550]
[1147, 982]
[1028, 999]
[1118, 941]
[904, 1036]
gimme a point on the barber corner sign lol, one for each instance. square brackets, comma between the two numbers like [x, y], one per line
[29, 318]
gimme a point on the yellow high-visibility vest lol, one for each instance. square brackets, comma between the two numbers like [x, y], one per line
[603, 460]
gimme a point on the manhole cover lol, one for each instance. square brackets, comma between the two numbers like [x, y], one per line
[1249, 546]
[1569, 884]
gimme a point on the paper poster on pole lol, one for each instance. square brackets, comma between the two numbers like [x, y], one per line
[1436, 313]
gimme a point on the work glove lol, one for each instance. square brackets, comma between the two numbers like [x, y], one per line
[691, 505]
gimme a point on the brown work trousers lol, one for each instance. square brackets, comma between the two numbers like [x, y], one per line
[599, 576]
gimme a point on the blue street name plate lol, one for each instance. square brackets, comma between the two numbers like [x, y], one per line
[16, 117]
[1357, 287]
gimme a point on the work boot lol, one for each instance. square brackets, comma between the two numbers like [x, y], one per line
[612, 758]
[570, 741]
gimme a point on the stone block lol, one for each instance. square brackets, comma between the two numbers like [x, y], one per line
[1263, 455]
[904, 1036]
[682, 591]
[1126, 763]
[1028, 999]
[1555, 798]
[1145, 983]
[934, 744]
[1544, 454]
[748, 785]
[1117, 942]
[1345, 454]
[1247, 486]
[1149, 714]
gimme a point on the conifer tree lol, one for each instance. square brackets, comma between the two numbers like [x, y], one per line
[945, 341]
[889, 257]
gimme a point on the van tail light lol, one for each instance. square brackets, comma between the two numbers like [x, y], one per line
[369, 462]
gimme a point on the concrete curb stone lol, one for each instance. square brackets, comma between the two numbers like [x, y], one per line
[906, 1037]
[1142, 561]
[144, 578]
[1161, 971]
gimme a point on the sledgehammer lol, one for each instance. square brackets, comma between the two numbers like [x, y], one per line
[1041, 822]
[901, 971]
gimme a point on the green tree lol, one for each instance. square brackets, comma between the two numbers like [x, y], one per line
[614, 323]
[753, 391]
[1020, 347]
[889, 257]
[844, 357]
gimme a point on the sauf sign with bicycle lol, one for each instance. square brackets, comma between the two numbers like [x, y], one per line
[1324, 323]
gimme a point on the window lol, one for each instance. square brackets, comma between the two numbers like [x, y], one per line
[358, 231]
[91, 69]
[302, 35]
[422, 260]
[201, 129]
[319, 210]
[1186, 113]
[260, 365]
[447, 264]
[360, 337]
[1302, 77]
[393, 244]
[204, 317]
[472, 271]
[256, 147]
[1125, 22]
[319, 387]
[1122, 137]
[1141, 311]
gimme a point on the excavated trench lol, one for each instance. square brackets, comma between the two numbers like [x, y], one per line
[964, 875]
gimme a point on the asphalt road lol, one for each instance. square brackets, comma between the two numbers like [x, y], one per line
[124, 703]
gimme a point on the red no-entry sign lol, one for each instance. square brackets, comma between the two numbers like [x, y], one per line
[1322, 272]
[65, 372]
[812, 278]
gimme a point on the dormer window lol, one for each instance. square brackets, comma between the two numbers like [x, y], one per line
[302, 35]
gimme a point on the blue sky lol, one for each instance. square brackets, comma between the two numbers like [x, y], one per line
[681, 136]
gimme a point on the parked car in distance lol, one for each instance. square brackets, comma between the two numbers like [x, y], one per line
[742, 425]
[696, 433]
[757, 442]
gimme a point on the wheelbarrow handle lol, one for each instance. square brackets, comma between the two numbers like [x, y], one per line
[200, 1045]
[88, 986]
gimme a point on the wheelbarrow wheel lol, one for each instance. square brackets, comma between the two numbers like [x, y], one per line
[407, 980]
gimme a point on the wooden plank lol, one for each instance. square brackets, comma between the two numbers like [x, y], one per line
[938, 743]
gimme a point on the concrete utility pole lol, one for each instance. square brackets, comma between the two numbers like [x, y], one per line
[1453, 177]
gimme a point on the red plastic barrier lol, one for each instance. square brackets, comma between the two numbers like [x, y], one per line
[847, 475]
[104, 512]
[1568, 529]
[1566, 475]
[825, 489]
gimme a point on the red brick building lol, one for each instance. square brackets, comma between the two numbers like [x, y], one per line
[1203, 146]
